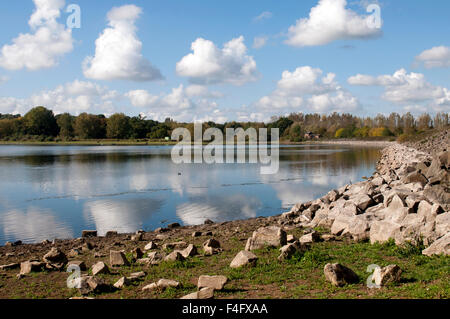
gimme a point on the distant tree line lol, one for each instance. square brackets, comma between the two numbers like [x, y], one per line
[41, 124]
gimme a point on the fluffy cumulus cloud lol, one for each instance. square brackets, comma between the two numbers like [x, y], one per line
[47, 42]
[74, 97]
[330, 20]
[181, 104]
[437, 57]
[209, 64]
[306, 89]
[411, 90]
[118, 53]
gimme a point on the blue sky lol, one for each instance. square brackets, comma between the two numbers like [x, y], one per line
[142, 62]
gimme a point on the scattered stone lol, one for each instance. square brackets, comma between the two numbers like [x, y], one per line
[211, 246]
[387, 275]
[289, 250]
[10, 266]
[94, 284]
[189, 251]
[137, 276]
[89, 233]
[167, 283]
[137, 253]
[340, 275]
[204, 293]
[290, 238]
[118, 258]
[176, 245]
[99, 255]
[312, 237]
[100, 268]
[122, 282]
[174, 256]
[244, 258]
[208, 222]
[137, 237]
[150, 246]
[55, 257]
[215, 282]
[75, 252]
[87, 247]
[111, 233]
[78, 263]
[196, 234]
[173, 226]
[152, 286]
[271, 236]
[31, 266]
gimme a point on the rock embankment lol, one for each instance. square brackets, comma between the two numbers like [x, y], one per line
[406, 200]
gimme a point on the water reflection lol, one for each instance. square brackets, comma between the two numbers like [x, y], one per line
[48, 192]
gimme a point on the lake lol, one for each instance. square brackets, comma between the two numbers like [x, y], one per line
[49, 192]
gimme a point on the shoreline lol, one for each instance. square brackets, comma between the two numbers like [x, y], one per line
[355, 225]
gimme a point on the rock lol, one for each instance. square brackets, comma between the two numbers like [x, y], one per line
[97, 285]
[438, 194]
[287, 251]
[208, 222]
[152, 286]
[31, 266]
[290, 239]
[117, 258]
[215, 282]
[415, 177]
[362, 201]
[271, 236]
[137, 253]
[196, 234]
[111, 234]
[340, 275]
[211, 246]
[75, 252]
[204, 293]
[189, 251]
[382, 231]
[244, 258]
[78, 263]
[328, 237]
[424, 209]
[386, 275]
[341, 225]
[439, 247]
[173, 226]
[55, 257]
[312, 237]
[150, 246]
[174, 256]
[177, 245]
[100, 268]
[137, 237]
[137, 276]
[167, 283]
[99, 255]
[89, 233]
[10, 266]
[153, 258]
[122, 282]
[87, 247]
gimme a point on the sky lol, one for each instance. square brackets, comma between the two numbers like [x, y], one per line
[225, 60]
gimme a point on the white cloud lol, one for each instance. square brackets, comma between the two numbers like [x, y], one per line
[180, 104]
[436, 57]
[263, 16]
[74, 97]
[410, 90]
[3, 79]
[43, 47]
[210, 65]
[259, 42]
[118, 50]
[306, 89]
[330, 20]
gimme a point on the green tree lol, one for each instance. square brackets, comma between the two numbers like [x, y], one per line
[118, 126]
[40, 121]
[90, 126]
[65, 122]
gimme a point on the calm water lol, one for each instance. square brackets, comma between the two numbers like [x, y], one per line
[56, 192]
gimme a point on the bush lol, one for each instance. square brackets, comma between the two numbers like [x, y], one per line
[380, 132]
[344, 133]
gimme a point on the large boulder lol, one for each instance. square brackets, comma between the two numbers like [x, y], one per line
[31, 266]
[204, 293]
[382, 231]
[100, 268]
[56, 258]
[271, 236]
[340, 275]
